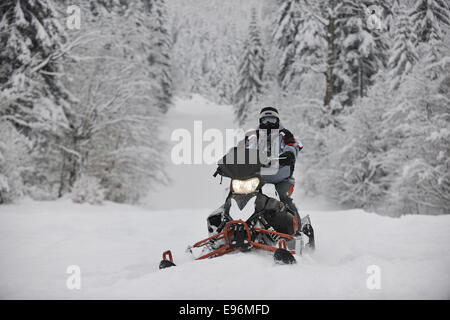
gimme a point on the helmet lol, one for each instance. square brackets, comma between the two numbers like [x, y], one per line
[269, 118]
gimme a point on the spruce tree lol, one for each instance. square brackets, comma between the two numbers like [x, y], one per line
[251, 71]
[362, 52]
[428, 17]
[286, 28]
[329, 12]
[310, 51]
[31, 42]
[161, 47]
[359, 172]
[403, 55]
[33, 96]
[417, 131]
[430, 21]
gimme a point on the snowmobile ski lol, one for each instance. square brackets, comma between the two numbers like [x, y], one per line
[166, 263]
[283, 256]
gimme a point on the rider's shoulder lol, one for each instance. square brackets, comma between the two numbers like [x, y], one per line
[285, 133]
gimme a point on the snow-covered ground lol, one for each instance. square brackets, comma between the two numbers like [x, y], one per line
[118, 247]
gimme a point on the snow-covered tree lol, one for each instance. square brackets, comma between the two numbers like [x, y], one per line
[287, 23]
[310, 51]
[429, 17]
[329, 16]
[32, 94]
[207, 45]
[403, 55]
[228, 74]
[32, 43]
[431, 20]
[160, 54]
[88, 190]
[299, 38]
[359, 174]
[361, 52]
[417, 128]
[15, 162]
[251, 71]
[114, 134]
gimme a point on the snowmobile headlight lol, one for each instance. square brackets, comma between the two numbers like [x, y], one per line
[245, 186]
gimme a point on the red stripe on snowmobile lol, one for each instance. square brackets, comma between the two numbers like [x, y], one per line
[218, 236]
[226, 233]
[216, 253]
[283, 235]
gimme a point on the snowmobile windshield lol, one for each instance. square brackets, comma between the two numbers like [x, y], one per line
[240, 163]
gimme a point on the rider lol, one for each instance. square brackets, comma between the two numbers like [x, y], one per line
[289, 147]
[283, 180]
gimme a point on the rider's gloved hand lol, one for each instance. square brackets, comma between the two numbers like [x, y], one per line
[288, 158]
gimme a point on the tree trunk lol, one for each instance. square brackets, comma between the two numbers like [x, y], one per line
[331, 58]
[61, 179]
[361, 78]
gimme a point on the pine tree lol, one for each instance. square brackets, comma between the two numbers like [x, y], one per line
[417, 131]
[360, 174]
[152, 43]
[161, 45]
[305, 34]
[286, 28]
[431, 20]
[227, 74]
[329, 12]
[403, 56]
[428, 17]
[310, 51]
[361, 52]
[435, 56]
[15, 162]
[32, 94]
[251, 71]
[32, 41]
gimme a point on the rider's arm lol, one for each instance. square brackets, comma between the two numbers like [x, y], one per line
[290, 143]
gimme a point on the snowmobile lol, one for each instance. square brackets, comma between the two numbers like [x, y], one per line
[251, 218]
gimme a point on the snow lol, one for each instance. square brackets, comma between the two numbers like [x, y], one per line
[118, 248]
[197, 105]
[192, 184]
